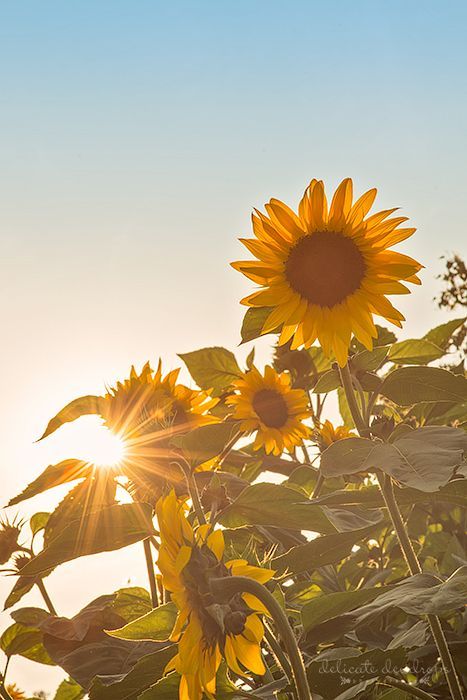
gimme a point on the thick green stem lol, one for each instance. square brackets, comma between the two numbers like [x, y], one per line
[227, 587]
[151, 573]
[411, 558]
[281, 659]
[318, 486]
[46, 597]
[407, 688]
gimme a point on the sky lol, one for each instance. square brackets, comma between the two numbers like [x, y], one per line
[135, 138]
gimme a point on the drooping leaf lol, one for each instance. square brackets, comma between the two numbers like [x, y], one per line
[22, 586]
[23, 640]
[54, 475]
[442, 334]
[424, 459]
[105, 530]
[212, 368]
[414, 352]
[273, 505]
[204, 443]
[155, 626]
[69, 690]
[327, 549]
[83, 406]
[408, 385]
[253, 323]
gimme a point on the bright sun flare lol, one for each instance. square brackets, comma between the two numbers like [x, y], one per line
[92, 442]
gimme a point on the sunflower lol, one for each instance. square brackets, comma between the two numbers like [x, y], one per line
[206, 631]
[270, 406]
[9, 534]
[326, 434]
[324, 273]
[15, 693]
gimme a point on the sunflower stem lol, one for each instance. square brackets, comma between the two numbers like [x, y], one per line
[318, 486]
[194, 494]
[281, 659]
[227, 587]
[347, 383]
[151, 573]
[46, 597]
[387, 491]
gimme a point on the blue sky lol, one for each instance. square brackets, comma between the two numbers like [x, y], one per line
[135, 138]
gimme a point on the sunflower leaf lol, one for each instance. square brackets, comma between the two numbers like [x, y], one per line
[414, 352]
[441, 335]
[155, 626]
[83, 406]
[212, 368]
[54, 475]
[206, 442]
[253, 323]
[409, 385]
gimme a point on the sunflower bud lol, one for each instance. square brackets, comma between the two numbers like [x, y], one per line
[9, 533]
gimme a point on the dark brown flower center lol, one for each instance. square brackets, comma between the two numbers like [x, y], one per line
[325, 268]
[271, 408]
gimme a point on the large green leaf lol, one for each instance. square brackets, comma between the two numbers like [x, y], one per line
[204, 443]
[54, 475]
[273, 505]
[339, 669]
[83, 406]
[424, 459]
[155, 626]
[369, 360]
[69, 690]
[329, 381]
[131, 603]
[30, 617]
[414, 352]
[102, 531]
[253, 322]
[212, 368]
[146, 671]
[441, 335]
[328, 549]
[27, 641]
[409, 385]
[326, 607]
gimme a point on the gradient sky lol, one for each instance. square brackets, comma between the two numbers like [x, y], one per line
[135, 137]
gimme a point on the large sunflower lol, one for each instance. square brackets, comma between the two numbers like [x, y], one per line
[325, 272]
[206, 631]
[268, 405]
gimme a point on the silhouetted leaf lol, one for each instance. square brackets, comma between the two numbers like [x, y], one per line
[442, 334]
[204, 443]
[83, 406]
[253, 322]
[54, 475]
[212, 368]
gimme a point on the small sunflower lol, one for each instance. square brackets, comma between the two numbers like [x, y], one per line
[9, 534]
[324, 273]
[206, 631]
[15, 693]
[267, 404]
[326, 434]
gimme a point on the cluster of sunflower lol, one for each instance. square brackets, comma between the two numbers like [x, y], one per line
[322, 274]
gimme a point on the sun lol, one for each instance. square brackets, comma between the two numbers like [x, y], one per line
[89, 440]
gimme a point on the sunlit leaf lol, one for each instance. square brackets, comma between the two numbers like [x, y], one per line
[83, 406]
[326, 607]
[253, 322]
[414, 352]
[54, 475]
[369, 360]
[442, 334]
[212, 368]
[38, 522]
[69, 690]
[155, 626]
[409, 385]
[102, 531]
[131, 603]
[329, 381]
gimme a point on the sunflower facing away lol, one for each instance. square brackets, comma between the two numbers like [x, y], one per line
[146, 411]
[206, 631]
[325, 272]
[327, 434]
[15, 693]
[267, 404]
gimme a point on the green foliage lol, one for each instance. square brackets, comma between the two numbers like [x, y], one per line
[253, 323]
[155, 626]
[409, 385]
[212, 368]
